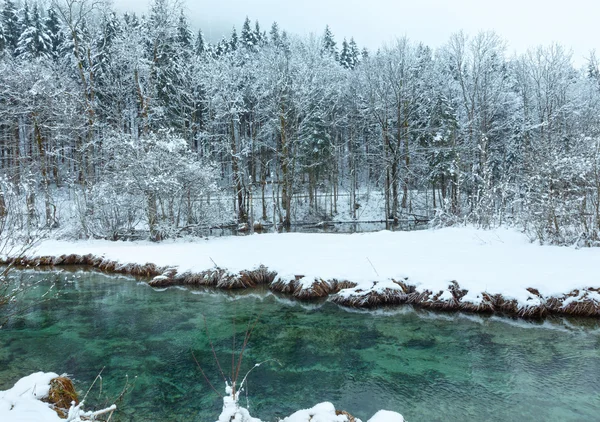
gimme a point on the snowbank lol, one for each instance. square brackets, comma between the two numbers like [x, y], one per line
[325, 412]
[22, 403]
[450, 265]
[322, 412]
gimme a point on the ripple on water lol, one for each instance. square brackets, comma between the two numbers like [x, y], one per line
[425, 365]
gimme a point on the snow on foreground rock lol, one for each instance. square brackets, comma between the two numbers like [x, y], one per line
[322, 412]
[497, 262]
[23, 402]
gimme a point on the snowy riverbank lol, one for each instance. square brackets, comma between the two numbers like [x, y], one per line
[451, 268]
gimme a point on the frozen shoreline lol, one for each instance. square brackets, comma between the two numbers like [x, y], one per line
[459, 268]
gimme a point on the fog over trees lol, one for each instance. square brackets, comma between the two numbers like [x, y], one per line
[111, 123]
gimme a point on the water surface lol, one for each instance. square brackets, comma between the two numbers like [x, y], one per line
[427, 366]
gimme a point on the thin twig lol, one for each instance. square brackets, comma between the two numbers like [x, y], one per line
[204, 375]
[212, 347]
[246, 339]
[99, 376]
[256, 366]
[233, 353]
[373, 266]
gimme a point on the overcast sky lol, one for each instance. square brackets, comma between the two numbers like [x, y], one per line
[522, 23]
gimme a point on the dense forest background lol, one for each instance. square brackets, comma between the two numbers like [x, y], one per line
[115, 123]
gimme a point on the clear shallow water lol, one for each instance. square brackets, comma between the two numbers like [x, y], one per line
[429, 367]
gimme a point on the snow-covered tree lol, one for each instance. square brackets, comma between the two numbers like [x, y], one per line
[200, 44]
[329, 44]
[10, 25]
[249, 38]
[35, 41]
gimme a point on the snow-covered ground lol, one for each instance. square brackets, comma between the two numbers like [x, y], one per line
[500, 261]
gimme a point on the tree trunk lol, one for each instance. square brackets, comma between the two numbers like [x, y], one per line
[237, 180]
[286, 193]
[44, 172]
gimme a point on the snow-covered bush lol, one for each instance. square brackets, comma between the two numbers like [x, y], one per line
[150, 183]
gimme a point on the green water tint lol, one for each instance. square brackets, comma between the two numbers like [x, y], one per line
[429, 367]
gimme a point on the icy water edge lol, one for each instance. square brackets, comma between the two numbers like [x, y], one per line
[427, 366]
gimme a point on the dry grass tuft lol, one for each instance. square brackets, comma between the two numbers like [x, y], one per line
[372, 299]
[348, 416]
[318, 289]
[585, 306]
[406, 288]
[62, 393]
[283, 286]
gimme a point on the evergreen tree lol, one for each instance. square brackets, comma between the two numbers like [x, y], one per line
[55, 32]
[184, 35]
[258, 34]
[223, 47]
[200, 46]
[329, 44]
[10, 24]
[34, 40]
[233, 41]
[316, 148]
[345, 59]
[248, 36]
[354, 53]
[274, 34]
[24, 16]
[131, 20]
[2, 39]
[162, 49]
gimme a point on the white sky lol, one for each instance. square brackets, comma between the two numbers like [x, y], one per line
[522, 23]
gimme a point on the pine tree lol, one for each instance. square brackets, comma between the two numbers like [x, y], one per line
[131, 20]
[248, 37]
[354, 53]
[200, 45]
[233, 41]
[184, 35]
[55, 32]
[111, 28]
[162, 26]
[274, 34]
[329, 44]
[2, 39]
[24, 16]
[223, 47]
[34, 40]
[345, 59]
[258, 34]
[10, 24]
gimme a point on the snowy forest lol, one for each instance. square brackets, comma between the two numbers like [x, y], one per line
[114, 123]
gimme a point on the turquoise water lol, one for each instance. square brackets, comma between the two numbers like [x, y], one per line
[427, 366]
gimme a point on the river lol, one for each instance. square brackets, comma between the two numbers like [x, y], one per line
[427, 366]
